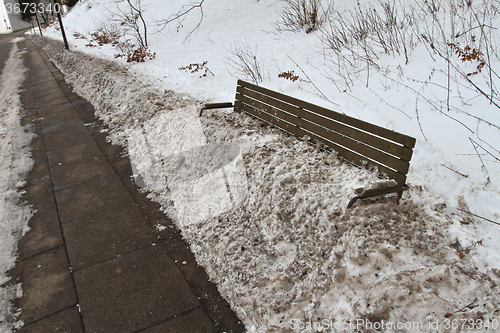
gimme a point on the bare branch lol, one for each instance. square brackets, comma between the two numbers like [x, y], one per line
[483, 166]
[139, 13]
[132, 18]
[246, 63]
[181, 14]
[315, 87]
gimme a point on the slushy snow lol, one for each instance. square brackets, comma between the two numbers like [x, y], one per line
[15, 163]
[289, 256]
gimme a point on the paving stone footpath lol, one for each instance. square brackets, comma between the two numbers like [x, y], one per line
[93, 260]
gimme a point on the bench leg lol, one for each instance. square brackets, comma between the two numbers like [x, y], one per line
[351, 202]
[400, 194]
[374, 193]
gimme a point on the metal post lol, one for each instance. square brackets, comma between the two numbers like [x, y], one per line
[38, 22]
[61, 25]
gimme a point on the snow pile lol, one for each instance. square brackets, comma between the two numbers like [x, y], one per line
[456, 159]
[123, 100]
[15, 163]
[291, 256]
[170, 154]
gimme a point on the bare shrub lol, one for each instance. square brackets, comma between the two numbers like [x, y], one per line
[307, 15]
[131, 18]
[134, 54]
[126, 30]
[198, 67]
[459, 34]
[289, 75]
[141, 54]
[245, 62]
[359, 37]
[365, 31]
[474, 27]
[106, 34]
[78, 35]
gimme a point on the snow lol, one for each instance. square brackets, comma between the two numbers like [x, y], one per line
[14, 19]
[273, 232]
[179, 159]
[5, 27]
[15, 163]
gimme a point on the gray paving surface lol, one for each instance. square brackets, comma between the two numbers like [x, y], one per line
[92, 261]
[5, 46]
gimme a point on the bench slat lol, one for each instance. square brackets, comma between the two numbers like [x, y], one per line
[348, 155]
[405, 140]
[401, 152]
[269, 119]
[275, 112]
[344, 141]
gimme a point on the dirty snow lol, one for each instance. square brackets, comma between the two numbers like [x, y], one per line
[203, 179]
[290, 257]
[15, 163]
[291, 254]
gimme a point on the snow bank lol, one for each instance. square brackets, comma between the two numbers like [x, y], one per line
[407, 96]
[15, 163]
[291, 257]
[170, 151]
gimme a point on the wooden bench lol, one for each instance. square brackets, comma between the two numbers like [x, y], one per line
[356, 141]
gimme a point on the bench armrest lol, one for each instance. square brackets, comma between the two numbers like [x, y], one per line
[362, 193]
[216, 106]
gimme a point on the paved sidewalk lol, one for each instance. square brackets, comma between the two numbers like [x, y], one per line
[92, 261]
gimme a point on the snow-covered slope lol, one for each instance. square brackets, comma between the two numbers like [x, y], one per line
[291, 253]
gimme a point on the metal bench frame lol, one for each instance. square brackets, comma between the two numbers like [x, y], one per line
[358, 142]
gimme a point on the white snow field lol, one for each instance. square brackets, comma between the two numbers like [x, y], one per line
[15, 163]
[281, 245]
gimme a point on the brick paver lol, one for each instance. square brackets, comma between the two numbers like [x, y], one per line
[92, 261]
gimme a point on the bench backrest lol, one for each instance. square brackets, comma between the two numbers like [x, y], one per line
[357, 141]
